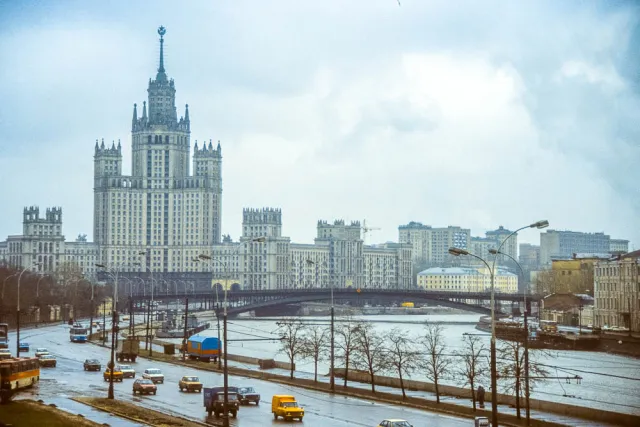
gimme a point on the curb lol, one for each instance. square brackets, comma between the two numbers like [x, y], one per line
[76, 399]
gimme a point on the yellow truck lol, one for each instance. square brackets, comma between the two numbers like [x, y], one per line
[408, 305]
[285, 406]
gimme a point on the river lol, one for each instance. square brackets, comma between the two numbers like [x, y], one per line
[608, 381]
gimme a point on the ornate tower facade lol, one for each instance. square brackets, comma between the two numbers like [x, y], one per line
[160, 209]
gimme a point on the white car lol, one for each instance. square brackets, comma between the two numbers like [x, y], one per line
[41, 351]
[128, 371]
[154, 375]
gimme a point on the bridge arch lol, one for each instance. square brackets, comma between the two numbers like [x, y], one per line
[237, 309]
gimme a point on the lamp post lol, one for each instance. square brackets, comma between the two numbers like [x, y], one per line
[92, 310]
[149, 324]
[18, 309]
[526, 338]
[113, 272]
[332, 382]
[225, 416]
[211, 260]
[494, 369]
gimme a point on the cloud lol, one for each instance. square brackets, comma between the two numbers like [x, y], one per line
[475, 116]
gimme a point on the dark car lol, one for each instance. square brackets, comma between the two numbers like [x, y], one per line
[247, 395]
[23, 347]
[92, 365]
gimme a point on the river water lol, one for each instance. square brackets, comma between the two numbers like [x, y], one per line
[608, 381]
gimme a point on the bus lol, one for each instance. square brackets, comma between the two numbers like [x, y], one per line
[78, 334]
[4, 335]
[17, 374]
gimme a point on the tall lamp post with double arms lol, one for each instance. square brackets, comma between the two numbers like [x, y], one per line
[525, 291]
[113, 272]
[225, 415]
[494, 367]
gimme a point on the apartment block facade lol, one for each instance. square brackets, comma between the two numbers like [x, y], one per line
[617, 292]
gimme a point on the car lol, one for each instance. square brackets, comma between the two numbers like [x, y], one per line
[92, 365]
[394, 422]
[189, 383]
[23, 346]
[48, 360]
[40, 351]
[248, 394]
[154, 375]
[125, 318]
[5, 353]
[117, 374]
[128, 371]
[144, 386]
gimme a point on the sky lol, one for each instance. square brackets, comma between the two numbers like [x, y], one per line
[476, 114]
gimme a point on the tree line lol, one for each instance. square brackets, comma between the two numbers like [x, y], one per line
[360, 346]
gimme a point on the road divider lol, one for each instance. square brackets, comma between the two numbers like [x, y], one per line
[137, 413]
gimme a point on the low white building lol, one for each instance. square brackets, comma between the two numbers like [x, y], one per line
[466, 279]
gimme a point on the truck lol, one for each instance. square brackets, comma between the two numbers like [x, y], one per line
[285, 406]
[408, 305]
[203, 348]
[214, 401]
[128, 349]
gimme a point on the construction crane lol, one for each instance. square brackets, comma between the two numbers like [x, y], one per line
[366, 229]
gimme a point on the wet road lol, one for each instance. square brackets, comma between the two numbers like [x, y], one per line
[69, 379]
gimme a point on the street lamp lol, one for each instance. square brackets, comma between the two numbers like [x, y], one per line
[211, 260]
[225, 416]
[526, 337]
[114, 274]
[494, 369]
[332, 381]
[18, 309]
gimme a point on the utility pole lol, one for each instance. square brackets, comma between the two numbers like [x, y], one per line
[225, 416]
[184, 340]
[131, 323]
[104, 321]
[218, 318]
[526, 364]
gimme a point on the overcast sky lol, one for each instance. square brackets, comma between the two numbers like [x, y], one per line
[465, 113]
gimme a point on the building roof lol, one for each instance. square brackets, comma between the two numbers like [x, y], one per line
[500, 230]
[634, 254]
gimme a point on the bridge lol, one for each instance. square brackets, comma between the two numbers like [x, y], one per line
[241, 301]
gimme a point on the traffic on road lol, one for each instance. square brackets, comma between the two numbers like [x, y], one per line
[70, 379]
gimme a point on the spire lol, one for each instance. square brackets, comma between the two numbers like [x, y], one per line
[210, 146]
[186, 112]
[195, 147]
[102, 145]
[135, 115]
[97, 145]
[144, 110]
[161, 74]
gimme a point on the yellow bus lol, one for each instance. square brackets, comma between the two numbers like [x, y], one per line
[17, 374]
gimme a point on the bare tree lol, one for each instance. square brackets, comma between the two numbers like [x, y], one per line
[436, 362]
[346, 342]
[401, 355]
[511, 368]
[314, 346]
[291, 340]
[471, 363]
[370, 352]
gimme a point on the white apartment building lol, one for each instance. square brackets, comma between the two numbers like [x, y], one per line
[466, 279]
[43, 245]
[431, 245]
[264, 259]
[160, 208]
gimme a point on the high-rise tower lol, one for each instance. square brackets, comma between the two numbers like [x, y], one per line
[159, 209]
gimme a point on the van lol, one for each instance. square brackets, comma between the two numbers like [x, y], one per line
[285, 406]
